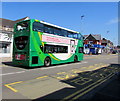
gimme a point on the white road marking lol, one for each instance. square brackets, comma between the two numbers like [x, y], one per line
[41, 68]
[63, 65]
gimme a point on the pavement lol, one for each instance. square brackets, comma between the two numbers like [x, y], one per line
[5, 59]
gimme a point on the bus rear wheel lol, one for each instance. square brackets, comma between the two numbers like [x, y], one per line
[75, 59]
[47, 62]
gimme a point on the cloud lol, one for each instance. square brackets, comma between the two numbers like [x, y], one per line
[113, 21]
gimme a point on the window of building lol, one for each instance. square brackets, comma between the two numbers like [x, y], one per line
[90, 42]
[4, 48]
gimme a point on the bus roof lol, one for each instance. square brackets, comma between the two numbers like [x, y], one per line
[46, 23]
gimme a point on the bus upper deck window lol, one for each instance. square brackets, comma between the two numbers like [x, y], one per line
[37, 26]
[57, 31]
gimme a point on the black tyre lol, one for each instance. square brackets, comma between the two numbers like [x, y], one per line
[47, 62]
[75, 59]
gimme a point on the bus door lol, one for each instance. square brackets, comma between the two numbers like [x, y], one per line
[72, 46]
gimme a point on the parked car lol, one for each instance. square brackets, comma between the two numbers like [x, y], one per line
[114, 51]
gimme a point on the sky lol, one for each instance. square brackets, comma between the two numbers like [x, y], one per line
[99, 17]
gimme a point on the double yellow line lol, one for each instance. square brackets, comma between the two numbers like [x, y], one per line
[86, 89]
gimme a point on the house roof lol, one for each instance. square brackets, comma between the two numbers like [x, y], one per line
[6, 22]
[95, 36]
[10, 23]
[25, 18]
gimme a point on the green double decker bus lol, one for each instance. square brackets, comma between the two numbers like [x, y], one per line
[38, 43]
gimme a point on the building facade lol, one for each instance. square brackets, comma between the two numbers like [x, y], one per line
[96, 45]
[107, 44]
[92, 44]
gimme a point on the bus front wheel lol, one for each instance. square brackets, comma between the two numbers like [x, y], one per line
[47, 62]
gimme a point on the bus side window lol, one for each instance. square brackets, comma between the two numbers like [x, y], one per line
[70, 34]
[64, 33]
[48, 48]
[55, 49]
[57, 31]
[48, 29]
[37, 26]
[75, 36]
[79, 36]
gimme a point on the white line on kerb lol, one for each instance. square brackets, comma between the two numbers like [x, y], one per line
[12, 73]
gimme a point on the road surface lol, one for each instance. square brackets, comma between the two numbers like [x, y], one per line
[65, 81]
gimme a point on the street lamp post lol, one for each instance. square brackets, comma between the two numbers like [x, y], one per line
[82, 16]
[81, 21]
[107, 41]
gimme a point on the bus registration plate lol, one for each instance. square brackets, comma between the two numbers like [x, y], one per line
[20, 56]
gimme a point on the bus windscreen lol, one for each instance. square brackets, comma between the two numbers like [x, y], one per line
[22, 26]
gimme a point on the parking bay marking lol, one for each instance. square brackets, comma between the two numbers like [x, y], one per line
[67, 75]
[8, 86]
[41, 77]
[13, 89]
